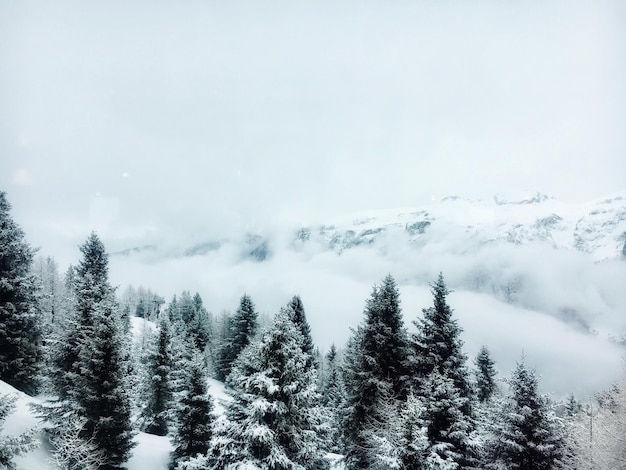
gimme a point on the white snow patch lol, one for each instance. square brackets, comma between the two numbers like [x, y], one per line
[151, 453]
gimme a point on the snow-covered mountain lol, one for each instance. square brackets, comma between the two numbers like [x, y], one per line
[597, 228]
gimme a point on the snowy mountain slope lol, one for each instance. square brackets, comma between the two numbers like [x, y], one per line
[597, 228]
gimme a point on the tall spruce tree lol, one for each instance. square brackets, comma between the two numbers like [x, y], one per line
[333, 398]
[242, 328]
[437, 343]
[20, 324]
[485, 373]
[299, 319]
[195, 420]
[441, 377]
[91, 363]
[376, 368]
[104, 396]
[156, 414]
[199, 325]
[529, 435]
[273, 418]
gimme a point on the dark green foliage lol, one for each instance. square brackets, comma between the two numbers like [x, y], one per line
[485, 375]
[156, 412]
[376, 368]
[20, 323]
[194, 429]
[242, 328]
[529, 436]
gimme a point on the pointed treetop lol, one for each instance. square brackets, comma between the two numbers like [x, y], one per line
[298, 316]
[95, 262]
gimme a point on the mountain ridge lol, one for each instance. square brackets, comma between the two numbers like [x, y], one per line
[597, 228]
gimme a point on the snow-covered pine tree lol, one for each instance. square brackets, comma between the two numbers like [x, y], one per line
[156, 414]
[595, 431]
[376, 365]
[91, 365]
[299, 319]
[485, 373]
[20, 323]
[243, 327]
[194, 427]
[437, 343]
[333, 399]
[414, 443]
[51, 299]
[448, 428]
[199, 325]
[91, 287]
[440, 371]
[105, 396]
[529, 436]
[13, 446]
[273, 418]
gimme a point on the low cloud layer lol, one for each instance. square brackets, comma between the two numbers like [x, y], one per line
[530, 300]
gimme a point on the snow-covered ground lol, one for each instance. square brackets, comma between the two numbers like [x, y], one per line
[151, 452]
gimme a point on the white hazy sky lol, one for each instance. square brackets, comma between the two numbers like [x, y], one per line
[197, 114]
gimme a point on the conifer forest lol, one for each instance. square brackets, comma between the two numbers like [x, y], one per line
[390, 398]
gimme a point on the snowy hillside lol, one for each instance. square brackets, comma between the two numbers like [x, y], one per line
[151, 452]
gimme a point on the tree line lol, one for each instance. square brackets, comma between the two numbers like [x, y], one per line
[388, 399]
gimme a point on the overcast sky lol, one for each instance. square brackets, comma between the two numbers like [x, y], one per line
[145, 115]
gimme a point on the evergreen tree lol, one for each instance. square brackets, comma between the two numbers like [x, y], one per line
[20, 324]
[485, 375]
[448, 429]
[437, 344]
[413, 448]
[194, 420]
[156, 412]
[140, 311]
[274, 416]
[199, 325]
[529, 436]
[104, 395]
[377, 366]
[299, 319]
[91, 364]
[441, 381]
[51, 299]
[243, 327]
[333, 398]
